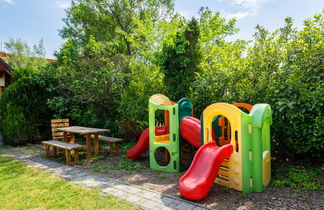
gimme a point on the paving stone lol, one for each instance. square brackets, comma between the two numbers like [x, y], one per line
[134, 190]
[109, 190]
[141, 201]
[92, 183]
[121, 187]
[162, 207]
[148, 195]
[172, 205]
[119, 193]
[157, 199]
[150, 204]
[133, 198]
[185, 206]
[166, 200]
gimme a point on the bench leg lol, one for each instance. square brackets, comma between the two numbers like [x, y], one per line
[76, 155]
[68, 157]
[88, 142]
[96, 145]
[117, 148]
[54, 151]
[111, 149]
[47, 150]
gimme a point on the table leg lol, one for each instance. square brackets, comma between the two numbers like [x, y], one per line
[54, 152]
[96, 145]
[65, 137]
[88, 142]
[111, 149]
[72, 139]
[117, 148]
[47, 150]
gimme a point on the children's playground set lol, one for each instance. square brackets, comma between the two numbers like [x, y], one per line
[226, 146]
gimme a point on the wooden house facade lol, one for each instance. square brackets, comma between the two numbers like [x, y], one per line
[5, 75]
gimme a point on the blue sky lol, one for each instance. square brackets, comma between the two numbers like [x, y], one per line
[33, 20]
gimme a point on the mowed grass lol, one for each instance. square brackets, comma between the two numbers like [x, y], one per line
[23, 187]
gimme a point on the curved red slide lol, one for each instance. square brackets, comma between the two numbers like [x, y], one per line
[190, 130]
[197, 181]
[143, 143]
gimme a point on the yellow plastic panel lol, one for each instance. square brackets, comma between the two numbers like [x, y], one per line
[266, 168]
[160, 99]
[234, 163]
[163, 139]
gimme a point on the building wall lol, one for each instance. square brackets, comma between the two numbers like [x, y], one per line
[2, 82]
[2, 79]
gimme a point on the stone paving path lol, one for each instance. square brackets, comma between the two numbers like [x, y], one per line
[145, 199]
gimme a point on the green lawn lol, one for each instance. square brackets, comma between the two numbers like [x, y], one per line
[23, 187]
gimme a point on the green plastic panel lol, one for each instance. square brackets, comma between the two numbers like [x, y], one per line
[173, 145]
[185, 110]
[261, 121]
[246, 148]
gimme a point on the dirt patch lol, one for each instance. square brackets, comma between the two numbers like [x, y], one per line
[138, 173]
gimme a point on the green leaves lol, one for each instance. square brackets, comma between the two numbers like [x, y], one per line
[180, 60]
[118, 53]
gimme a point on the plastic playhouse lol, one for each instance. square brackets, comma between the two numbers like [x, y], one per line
[233, 146]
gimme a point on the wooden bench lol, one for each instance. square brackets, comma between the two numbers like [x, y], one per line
[56, 123]
[113, 143]
[63, 145]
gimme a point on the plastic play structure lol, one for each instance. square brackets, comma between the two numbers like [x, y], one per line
[233, 146]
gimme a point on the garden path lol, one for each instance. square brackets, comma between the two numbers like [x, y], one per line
[146, 199]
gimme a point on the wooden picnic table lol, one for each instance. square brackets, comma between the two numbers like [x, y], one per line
[71, 130]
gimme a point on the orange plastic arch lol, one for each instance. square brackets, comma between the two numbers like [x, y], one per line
[222, 123]
[244, 105]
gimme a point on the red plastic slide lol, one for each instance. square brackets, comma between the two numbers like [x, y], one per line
[197, 181]
[190, 130]
[143, 143]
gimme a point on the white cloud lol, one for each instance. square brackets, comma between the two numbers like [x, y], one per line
[248, 3]
[238, 15]
[63, 4]
[243, 8]
[8, 2]
[185, 14]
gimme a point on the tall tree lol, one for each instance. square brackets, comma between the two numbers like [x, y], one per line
[117, 23]
[180, 60]
[108, 44]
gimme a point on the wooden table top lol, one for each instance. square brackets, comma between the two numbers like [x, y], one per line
[82, 130]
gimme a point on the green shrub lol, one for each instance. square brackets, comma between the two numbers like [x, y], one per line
[145, 80]
[282, 69]
[24, 111]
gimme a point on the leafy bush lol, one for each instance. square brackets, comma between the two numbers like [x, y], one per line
[145, 80]
[282, 69]
[24, 111]
[286, 66]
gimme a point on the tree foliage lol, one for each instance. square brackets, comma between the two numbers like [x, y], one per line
[117, 53]
[180, 59]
